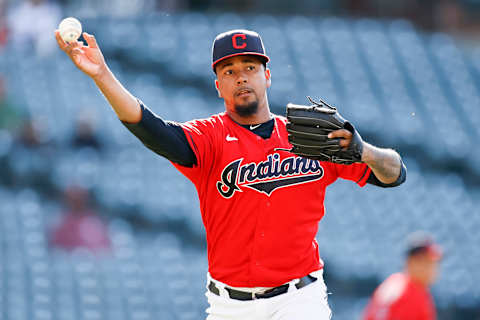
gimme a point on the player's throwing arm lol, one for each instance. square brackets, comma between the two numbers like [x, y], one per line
[90, 60]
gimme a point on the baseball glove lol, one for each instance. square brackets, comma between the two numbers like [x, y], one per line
[308, 130]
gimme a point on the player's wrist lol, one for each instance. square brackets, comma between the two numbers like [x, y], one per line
[102, 75]
[367, 151]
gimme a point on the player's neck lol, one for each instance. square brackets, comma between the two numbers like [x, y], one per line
[417, 278]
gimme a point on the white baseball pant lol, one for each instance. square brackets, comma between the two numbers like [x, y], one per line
[307, 303]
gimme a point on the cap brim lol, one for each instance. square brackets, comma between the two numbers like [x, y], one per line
[267, 59]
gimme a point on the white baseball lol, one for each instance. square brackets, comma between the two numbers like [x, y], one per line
[70, 29]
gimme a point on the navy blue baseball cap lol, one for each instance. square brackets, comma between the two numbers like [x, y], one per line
[237, 42]
[421, 242]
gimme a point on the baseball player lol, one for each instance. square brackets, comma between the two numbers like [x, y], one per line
[405, 295]
[260, 203]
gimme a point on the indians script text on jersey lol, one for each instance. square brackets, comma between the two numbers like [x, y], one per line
[260, 205]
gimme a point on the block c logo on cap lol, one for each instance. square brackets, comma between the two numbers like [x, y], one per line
[235, 42]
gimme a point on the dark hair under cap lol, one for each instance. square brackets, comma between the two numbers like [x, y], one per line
[422, 242]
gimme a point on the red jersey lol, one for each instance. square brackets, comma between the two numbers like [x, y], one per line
[400, 298]
[260, 205]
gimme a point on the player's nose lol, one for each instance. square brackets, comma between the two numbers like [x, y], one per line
[241, 80]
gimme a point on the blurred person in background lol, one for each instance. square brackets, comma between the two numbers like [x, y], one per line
[3, 23]
[33, 154]
[85, 135]
[32, 134]
[450, 16]
[10, 116]
[79, 226]
[405, 295]
[30, 24]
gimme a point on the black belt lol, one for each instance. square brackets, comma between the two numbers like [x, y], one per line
[244, 296]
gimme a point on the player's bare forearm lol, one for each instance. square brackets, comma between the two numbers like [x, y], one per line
[90, 60]
[124, 104]
[385, 163]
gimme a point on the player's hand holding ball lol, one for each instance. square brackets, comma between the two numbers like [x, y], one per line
[88, 58]
[70, 29]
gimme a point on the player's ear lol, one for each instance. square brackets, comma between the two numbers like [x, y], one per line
[217, 86]
[268, 76]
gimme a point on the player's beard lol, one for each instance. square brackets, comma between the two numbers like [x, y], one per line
[246, 110]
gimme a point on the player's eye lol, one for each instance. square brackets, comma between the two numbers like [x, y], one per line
[228, 72]
[250, 68]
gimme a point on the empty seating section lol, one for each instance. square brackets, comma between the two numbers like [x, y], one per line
[144, 279]
[399, 86]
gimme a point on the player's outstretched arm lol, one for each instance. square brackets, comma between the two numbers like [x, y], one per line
[89, 59]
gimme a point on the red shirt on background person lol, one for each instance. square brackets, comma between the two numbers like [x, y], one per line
[80, 226]
[406, 295]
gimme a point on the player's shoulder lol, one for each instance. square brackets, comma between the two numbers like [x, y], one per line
[392, 289]
[397, 278]
[214, 120]
[280, 118]
[280, 121]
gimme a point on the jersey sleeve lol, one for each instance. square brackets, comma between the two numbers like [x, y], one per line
[372, 179]
[165, 138]
[357, 172]
[201, 136]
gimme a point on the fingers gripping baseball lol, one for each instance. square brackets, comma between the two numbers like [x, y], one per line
[88, 58]
[92, 43]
